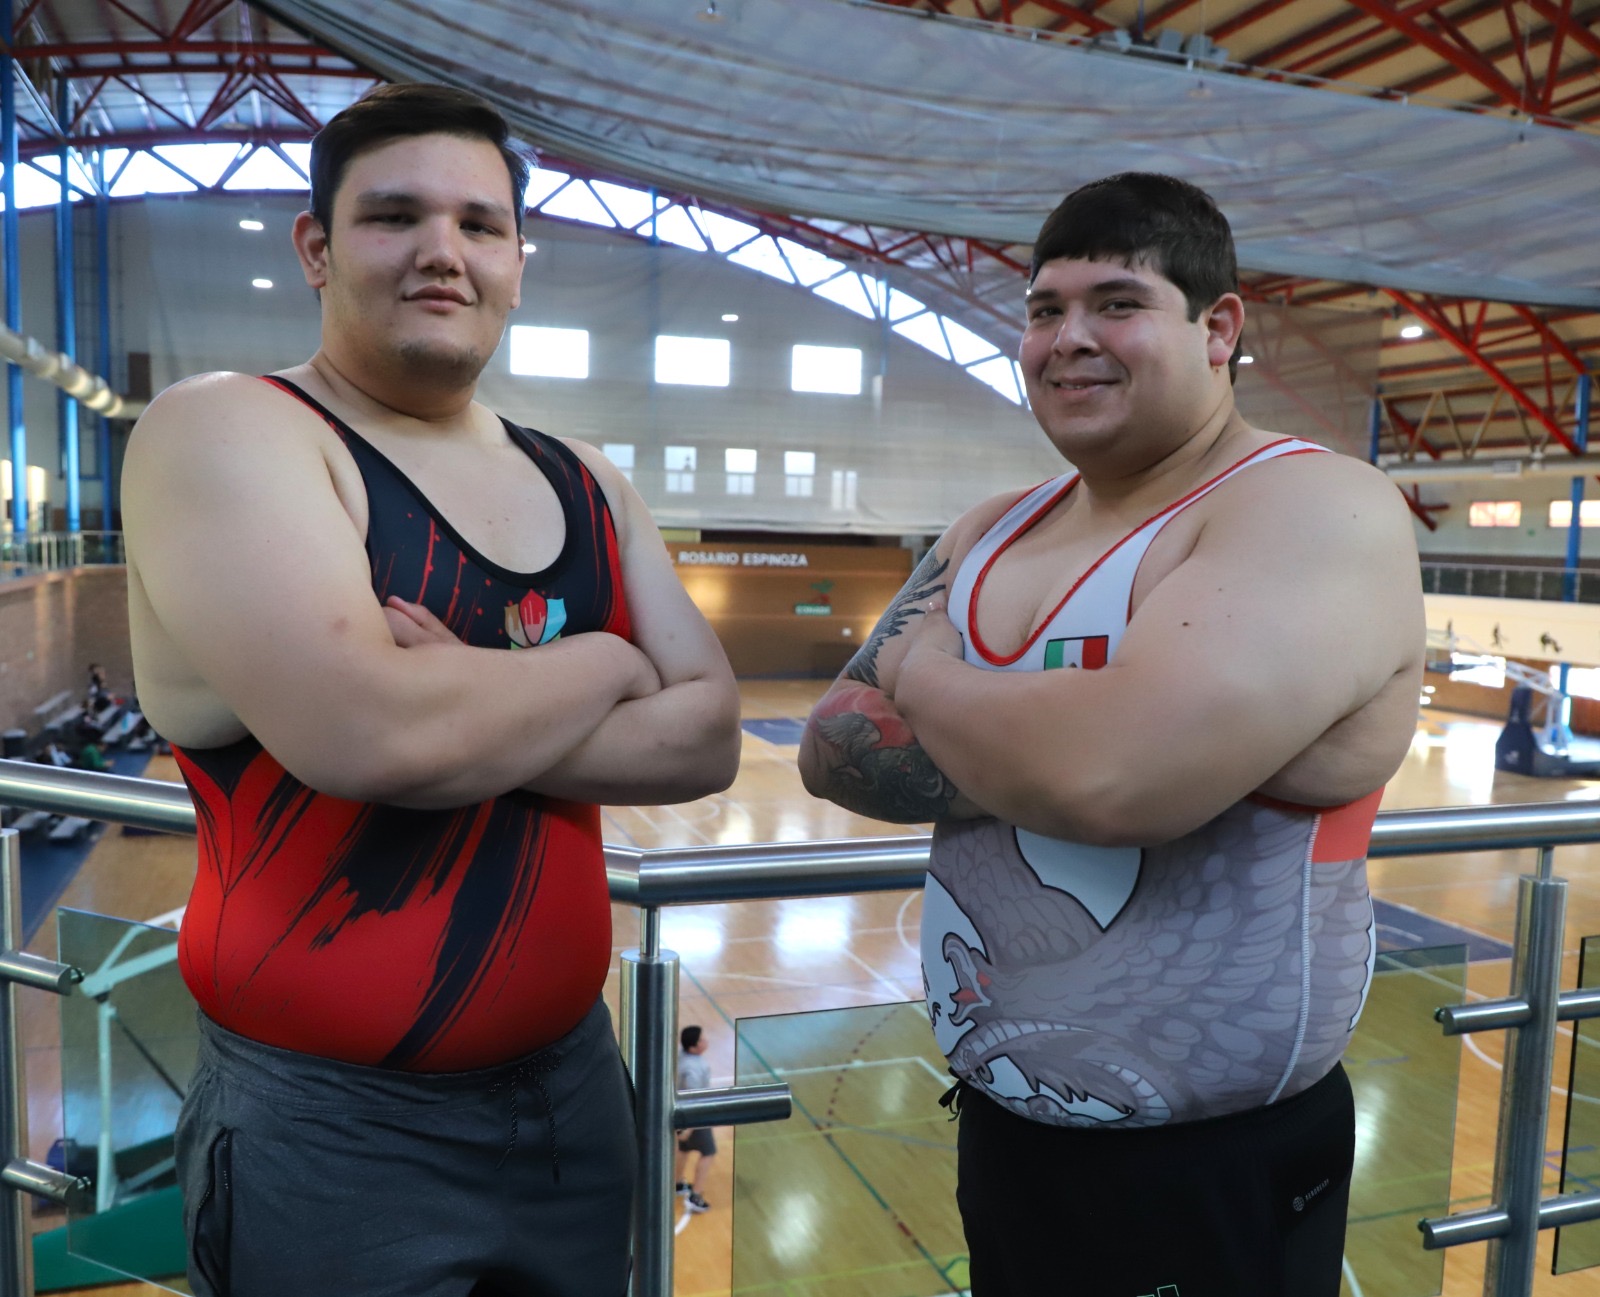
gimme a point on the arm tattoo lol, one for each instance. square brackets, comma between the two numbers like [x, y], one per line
[925, 582]
[878, 768]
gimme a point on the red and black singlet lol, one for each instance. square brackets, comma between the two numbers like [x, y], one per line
[439, 940]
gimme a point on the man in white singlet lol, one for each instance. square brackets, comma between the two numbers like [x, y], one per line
[1150, 706]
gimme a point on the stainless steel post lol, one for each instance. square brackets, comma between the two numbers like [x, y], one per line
[16, 1238]
[1525, 1083]
[649, 1030]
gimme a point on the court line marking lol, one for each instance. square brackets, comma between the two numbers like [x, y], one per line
[900, 926]
[1350, 1275]
[941, 1077]
[899, 992]
[800, 1107]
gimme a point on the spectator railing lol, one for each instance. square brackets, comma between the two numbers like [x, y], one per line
[55, 551]
[1512, 581]
[651, 880]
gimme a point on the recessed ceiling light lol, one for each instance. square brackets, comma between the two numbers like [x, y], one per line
[248, 224]
[260, 283]
[530, 248]
[1411, 331]
[1247, 359]
[729, 319]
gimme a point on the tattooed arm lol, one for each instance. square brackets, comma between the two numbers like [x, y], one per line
[857, 751]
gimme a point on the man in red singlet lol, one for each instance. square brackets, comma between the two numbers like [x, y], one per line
[1150, 706]
[403, 649]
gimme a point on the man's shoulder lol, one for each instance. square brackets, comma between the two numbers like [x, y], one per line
[1314, 488]
[218, 400]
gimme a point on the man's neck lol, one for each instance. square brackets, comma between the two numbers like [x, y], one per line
[1204, 452]
[391, 399]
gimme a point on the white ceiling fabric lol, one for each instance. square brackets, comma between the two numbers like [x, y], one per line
[829, 108]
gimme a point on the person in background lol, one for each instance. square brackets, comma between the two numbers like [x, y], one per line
[694, 1073]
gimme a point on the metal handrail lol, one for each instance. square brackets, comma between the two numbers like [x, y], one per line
[782, 870]
[651, 879]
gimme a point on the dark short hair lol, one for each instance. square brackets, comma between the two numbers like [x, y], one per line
[689, 1037]
[1140, 216]
[395, 111]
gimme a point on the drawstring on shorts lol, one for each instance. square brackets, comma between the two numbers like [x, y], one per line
[952, 1097]
[532, 1068]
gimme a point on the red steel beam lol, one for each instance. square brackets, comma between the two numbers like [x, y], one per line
[1441, 325]
[1468, 62]
[1274, 56]
[167, 46]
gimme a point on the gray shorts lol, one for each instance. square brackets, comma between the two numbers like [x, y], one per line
[699, 1140]
[306, 1176]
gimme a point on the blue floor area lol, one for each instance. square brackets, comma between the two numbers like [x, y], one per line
[47, 867]
[784, 731]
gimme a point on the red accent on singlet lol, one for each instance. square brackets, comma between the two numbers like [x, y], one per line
[422, 940]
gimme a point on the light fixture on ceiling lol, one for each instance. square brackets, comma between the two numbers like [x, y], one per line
[260, 283]
[1247, 359]
[709, 14]
[529, 247]
[730, 318]
[1411, 331]
[249, 223]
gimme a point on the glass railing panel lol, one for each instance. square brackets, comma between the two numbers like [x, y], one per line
[1405, 1073]
[854, 1195]
[128, 1049]
[1578, 1246]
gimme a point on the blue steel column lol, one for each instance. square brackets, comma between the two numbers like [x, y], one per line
[10, 232]
[102, 352]
[1374, 426]
[1580, 437]
[67, 328]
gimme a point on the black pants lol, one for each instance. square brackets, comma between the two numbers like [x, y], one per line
[1250, 1205]
[305, 1177]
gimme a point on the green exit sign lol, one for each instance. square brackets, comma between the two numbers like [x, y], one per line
[814, 609]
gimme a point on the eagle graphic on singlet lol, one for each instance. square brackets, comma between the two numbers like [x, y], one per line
[1124, 987]
[422, 940]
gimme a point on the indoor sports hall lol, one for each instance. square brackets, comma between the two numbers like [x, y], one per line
[776, 259]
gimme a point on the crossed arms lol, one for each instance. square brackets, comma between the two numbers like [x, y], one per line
[243, 543]
[1297, 616]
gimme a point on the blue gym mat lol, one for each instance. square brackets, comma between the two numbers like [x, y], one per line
[47, 867]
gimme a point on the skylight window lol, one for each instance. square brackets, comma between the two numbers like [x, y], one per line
[577, 203]
[724, 232]
[631, 207]
[674, 226]
[924, 330]
[763, 255]
[695, 362]
[264, 169]
[538, 351]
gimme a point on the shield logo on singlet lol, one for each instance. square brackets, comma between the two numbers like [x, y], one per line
[536, 620]
[1086, 651]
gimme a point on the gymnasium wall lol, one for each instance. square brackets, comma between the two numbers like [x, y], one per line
[920, 443]
[1534, 538]
[790, 609]
[923, 439]
[51, 628]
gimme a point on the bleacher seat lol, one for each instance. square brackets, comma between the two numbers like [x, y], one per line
[70, 828]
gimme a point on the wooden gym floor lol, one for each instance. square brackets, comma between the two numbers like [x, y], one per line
[783, 957]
